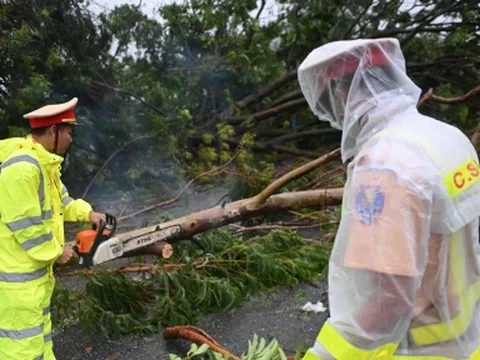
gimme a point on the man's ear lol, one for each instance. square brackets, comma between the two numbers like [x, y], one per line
[53, 129]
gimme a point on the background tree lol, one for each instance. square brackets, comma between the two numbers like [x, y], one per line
[209, 75]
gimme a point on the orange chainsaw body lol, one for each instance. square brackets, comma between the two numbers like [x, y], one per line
[85, 238]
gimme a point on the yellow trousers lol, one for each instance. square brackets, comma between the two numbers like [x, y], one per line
[25, 322]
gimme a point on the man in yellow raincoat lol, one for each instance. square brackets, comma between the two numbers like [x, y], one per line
[404, 276]
[34, 203]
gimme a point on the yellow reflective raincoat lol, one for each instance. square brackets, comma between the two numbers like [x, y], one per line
[404, 274]
[34, 204]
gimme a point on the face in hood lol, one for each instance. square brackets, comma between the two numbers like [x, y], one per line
[348, 83]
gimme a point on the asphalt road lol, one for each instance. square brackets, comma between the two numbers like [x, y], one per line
[276, 314]
[270, 315]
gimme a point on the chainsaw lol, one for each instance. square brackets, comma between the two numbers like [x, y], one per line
[100, 244]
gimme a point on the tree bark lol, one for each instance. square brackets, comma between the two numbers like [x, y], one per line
[218, 216]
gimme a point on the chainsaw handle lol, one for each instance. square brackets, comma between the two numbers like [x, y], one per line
[110, 224]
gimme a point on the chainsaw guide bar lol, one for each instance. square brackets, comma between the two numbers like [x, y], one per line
[115, 247]
[97, 246]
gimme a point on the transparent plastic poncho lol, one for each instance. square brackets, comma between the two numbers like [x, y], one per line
[404, 268]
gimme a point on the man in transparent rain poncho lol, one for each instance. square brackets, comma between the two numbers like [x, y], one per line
[404, 278]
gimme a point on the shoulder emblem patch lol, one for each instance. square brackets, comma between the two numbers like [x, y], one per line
[369, 203]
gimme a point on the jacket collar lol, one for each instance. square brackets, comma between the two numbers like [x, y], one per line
[44, 156]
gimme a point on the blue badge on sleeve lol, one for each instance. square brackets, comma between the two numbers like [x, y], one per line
[369, 203]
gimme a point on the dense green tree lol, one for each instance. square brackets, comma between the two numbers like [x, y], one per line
[211, 73]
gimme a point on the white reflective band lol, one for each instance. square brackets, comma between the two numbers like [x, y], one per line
[24, 223]
[46, 310]
[22, 277]
[39, 240]
[31, 160]
[39, 358]
[64, 190]
[67, 200]
[30, 221]
[47, 337]
[21, 334]
[46, 214]
[317, 349]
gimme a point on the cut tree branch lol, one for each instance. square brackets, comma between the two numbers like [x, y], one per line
[304, 134]
[287, 97]
[429, 19]
[240, 210]
[243, 229]
[265, 114]
[251, 99]
[129, 93]
[459, 99]
[198, 336]
[179, 194]
[454, 59]
[266, 90]
[295, 174]
[357, 20]
[278, 148]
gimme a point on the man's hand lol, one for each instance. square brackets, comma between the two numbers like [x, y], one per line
[67, 256]
[95, 218]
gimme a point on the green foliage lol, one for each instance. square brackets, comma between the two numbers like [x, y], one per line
[195, 283]
[176, 78]
[197, 352]
[15, 131]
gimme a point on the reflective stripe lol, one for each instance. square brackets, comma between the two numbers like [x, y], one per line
[24, 223]
[39, 358]
[23, 277]
[461, 178]
[30, 221]
[39, 240]
[46, 214]
[408, 357]
[21, 334]
[46, 311]
[48, 337]
[434, 333]
[67, 200]
[340, 348]
[310, 355]
[31, 160]
[64, 190]
[476, 354]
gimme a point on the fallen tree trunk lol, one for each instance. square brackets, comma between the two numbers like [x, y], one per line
[190, 225]
[262, 204]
